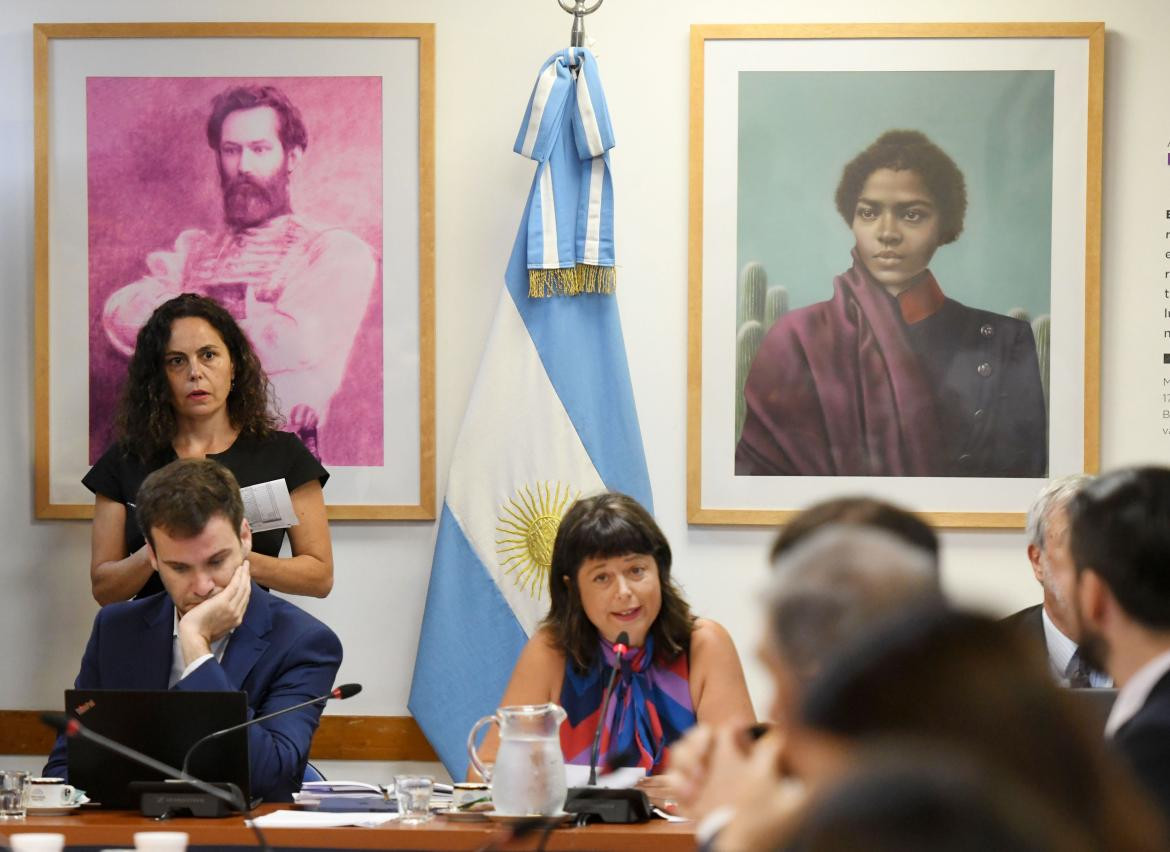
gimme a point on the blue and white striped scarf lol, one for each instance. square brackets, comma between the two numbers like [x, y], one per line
[566, 129]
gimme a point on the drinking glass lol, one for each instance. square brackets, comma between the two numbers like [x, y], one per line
[414, 798]
[13, 793]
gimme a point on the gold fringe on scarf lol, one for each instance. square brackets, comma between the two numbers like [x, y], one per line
[546, 283]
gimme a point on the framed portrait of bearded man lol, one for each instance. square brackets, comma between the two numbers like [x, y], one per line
[907, 303]
[283, 171]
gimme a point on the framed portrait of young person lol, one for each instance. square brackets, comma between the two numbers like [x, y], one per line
[894, 270]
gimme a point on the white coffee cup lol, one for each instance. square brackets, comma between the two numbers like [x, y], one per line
[51, 793]
[36, 842]
[160, 841]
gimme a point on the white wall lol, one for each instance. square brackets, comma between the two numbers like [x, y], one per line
[487, 57]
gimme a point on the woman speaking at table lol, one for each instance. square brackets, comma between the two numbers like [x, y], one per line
[196, 389]
[610, 574]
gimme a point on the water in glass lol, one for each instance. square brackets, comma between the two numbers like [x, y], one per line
[414, 798]
[13, 793]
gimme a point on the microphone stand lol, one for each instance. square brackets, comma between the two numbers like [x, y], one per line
[345, 691]
[595, 752]
[603, 803]
[73, 728]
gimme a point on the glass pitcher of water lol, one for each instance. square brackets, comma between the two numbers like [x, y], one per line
[528, 776]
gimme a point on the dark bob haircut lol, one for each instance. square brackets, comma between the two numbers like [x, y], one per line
[909, 150]
[146, 416]
[1120, 532]
[181, 497]
[859, 512]
[606, 525]
[292, 127]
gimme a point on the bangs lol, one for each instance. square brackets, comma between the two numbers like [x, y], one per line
[613, 535]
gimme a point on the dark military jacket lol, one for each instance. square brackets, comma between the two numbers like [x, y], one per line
[866, 384]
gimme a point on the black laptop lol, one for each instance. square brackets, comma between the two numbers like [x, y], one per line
[162, 724]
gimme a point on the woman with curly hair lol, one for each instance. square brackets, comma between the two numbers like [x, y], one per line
[196, 390]
[890, 377]
[610, 574]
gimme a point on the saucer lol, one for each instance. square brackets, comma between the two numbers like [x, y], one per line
[512, 819]
[57, 810]
[461, 816]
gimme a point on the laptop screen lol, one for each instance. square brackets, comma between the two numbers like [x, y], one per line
[162, 724]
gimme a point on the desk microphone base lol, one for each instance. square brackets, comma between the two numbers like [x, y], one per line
[177, 798]
[603, 804]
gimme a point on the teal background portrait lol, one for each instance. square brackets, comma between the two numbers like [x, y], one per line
[797, 130]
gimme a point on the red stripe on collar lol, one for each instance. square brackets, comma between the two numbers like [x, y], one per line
[922, 300]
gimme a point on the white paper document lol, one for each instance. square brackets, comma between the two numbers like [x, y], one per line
[268, 506]
[627, 776]
[315, 819]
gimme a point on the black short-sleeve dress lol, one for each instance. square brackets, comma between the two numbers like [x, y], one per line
[280, 455]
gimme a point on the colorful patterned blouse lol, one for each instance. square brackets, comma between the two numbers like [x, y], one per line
[650, 709]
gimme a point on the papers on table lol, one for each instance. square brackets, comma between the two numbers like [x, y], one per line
[345, 797]
[317, 819]
[336, 788]
[626, 776]
[268, 506]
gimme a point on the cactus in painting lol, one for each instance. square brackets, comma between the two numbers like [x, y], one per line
[753, 281]
[1020, 314]
[775, 305]
[1042, 329]
[747, 344]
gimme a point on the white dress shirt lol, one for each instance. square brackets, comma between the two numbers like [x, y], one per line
[180, 671]
[1060, 654]
[1133, 695]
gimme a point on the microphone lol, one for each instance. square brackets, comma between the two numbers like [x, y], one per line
[346, 690]
[593, 802]
[72, 727]
[619, 647]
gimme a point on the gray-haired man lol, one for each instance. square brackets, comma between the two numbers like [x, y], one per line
[1053, 621]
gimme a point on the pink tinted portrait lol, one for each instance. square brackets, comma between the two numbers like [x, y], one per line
[266, 195]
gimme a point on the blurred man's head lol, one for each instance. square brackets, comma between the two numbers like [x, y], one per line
[1121, 551]
[961, 681]
[834, 584]
[192, 516]
[858, 511]
[1048, 549]
[258, 137]
[906, 796]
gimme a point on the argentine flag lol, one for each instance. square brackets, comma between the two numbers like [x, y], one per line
[551, 418]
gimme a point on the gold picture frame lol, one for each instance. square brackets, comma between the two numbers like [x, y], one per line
[402, 58]
[730, 64]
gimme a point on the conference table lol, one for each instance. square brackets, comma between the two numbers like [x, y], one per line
[100, 829]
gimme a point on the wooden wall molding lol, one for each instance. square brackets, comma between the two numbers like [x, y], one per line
[389, 738]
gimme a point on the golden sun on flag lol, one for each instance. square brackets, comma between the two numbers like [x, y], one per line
[527, 528]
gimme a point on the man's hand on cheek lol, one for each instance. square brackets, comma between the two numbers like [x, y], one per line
[211, 619]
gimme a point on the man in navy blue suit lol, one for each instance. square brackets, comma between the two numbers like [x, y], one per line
[1121, 549]
[213, 628]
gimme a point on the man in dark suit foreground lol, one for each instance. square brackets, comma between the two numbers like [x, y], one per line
[1052, 623]
[1121, 550]
[213, 628]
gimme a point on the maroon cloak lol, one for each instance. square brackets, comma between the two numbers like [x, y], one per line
[866, 384]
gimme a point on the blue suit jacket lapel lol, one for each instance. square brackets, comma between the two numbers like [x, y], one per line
[151, 662]
[248, 642]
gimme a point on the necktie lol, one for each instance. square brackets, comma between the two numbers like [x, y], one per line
[1077, 672]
